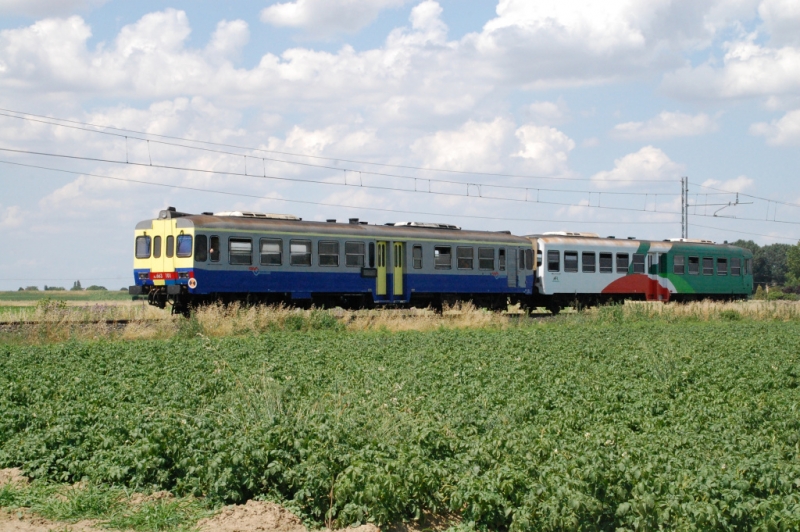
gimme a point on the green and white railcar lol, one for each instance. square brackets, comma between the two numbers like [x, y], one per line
[584, 268]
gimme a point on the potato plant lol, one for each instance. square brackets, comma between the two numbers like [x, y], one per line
[561, 426]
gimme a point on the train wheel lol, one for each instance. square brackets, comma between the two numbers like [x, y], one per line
[554, 308]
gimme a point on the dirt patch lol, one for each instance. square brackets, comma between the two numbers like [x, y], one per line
[259, 516]
[12, 476]
[141, 498]
[19, 521]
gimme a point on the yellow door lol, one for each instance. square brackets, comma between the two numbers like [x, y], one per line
[380, 289]
[399, 258]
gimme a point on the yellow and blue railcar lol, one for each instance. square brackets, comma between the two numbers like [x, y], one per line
[184, 259]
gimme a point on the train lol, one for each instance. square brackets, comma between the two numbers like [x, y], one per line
[183, 260]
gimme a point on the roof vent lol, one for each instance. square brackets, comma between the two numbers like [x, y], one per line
[261, 215]
[208, 213]
[692, 240]
[571, 233]
[353, 220]
[427, 225]
[631, 238]
[331, 220]
[170, 212]
[611, 236]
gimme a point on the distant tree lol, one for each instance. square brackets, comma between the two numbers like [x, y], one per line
[96, 287]
[770, 264]
[54, 288]
[76, 286]
[793, 265]
[748, 245]
[21, 289]
[31, 288]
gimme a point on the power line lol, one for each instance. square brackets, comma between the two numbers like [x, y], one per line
[386, 165]
[746, 233]
[360, 185]
[789, 204]
[306, 202]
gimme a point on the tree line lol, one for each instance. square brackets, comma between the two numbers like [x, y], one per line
[775, 264]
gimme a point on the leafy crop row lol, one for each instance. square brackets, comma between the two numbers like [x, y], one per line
[557, 427]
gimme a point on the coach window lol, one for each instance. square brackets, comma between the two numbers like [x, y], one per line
[570, 261]
[708, 266]
[201, 248]
[142, 247]
[328, 253]
[416, 257]
[501, 259]
[529, 259]
[170, 246]
[240, 251]
[157, 247]
[465, 257]
[638, 263]
[553, 261]
[722, 266]
[271, 251]
[623, 261]
[300, 253]
[588, 261]
[606, 263]
[736, 266]
[184, 246]
[354, 254]
[694, 265]
[442, 258]
[521, 259]
[213, 249]
[679, 265]
[486, 258]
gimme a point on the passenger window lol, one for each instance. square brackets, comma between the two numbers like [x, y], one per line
[606, 263]
[623, 262]
[142, 247]
[529, 259]
[184, 246]
[638, 263]
[722, 266]
[694, 265]
[328, 253]
[300, 251]
[553, 261]
[240, 251]
[201, 248]
[736, 266]
[354, 254]
[465, 257]
[708, 266]
[170, 246]
[416, 256]
[570, 261]
[588, 262]
[442, 258]
[157, 247]
[501, 259]
[486, 258]
[372, 254]
[678, 264]
[271, 251]
[213, 250]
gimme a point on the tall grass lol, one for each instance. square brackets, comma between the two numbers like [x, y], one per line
[697, 311]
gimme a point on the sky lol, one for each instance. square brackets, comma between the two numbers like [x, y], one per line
[516, 115]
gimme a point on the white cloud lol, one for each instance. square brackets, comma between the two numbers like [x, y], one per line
[647, 164]
[666, 125]
[545, 149]
[738, 184]
[323, 18]
[782, 20]
[783, 132]
[46, 8]
[548, 113]
[228, 40]
[10, 217]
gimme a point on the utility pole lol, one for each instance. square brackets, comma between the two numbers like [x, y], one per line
[684, 207]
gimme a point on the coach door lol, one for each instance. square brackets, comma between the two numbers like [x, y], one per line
[399, 259]
[511, 265]
[652, 273]
[380, 288]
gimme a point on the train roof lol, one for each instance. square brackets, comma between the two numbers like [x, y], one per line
[591, 238]
[256, 222]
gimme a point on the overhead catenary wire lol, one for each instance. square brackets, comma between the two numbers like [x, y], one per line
[325, 204]
[331, 183]
[769, 200]
[317, 157]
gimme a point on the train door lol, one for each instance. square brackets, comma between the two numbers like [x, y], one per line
[511, 265]
[160, 231]
[652, 273]
[380, 287]
[399, 259]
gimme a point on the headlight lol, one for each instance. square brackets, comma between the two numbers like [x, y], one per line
[143, 276]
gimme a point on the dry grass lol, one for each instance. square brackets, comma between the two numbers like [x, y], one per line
[702, 311]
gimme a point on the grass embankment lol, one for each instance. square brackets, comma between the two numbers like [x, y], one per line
[562, 425]
[65, 295]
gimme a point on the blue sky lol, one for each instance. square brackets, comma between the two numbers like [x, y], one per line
[587, 114]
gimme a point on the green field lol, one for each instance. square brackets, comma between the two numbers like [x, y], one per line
[66, 295]
[553, 426]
